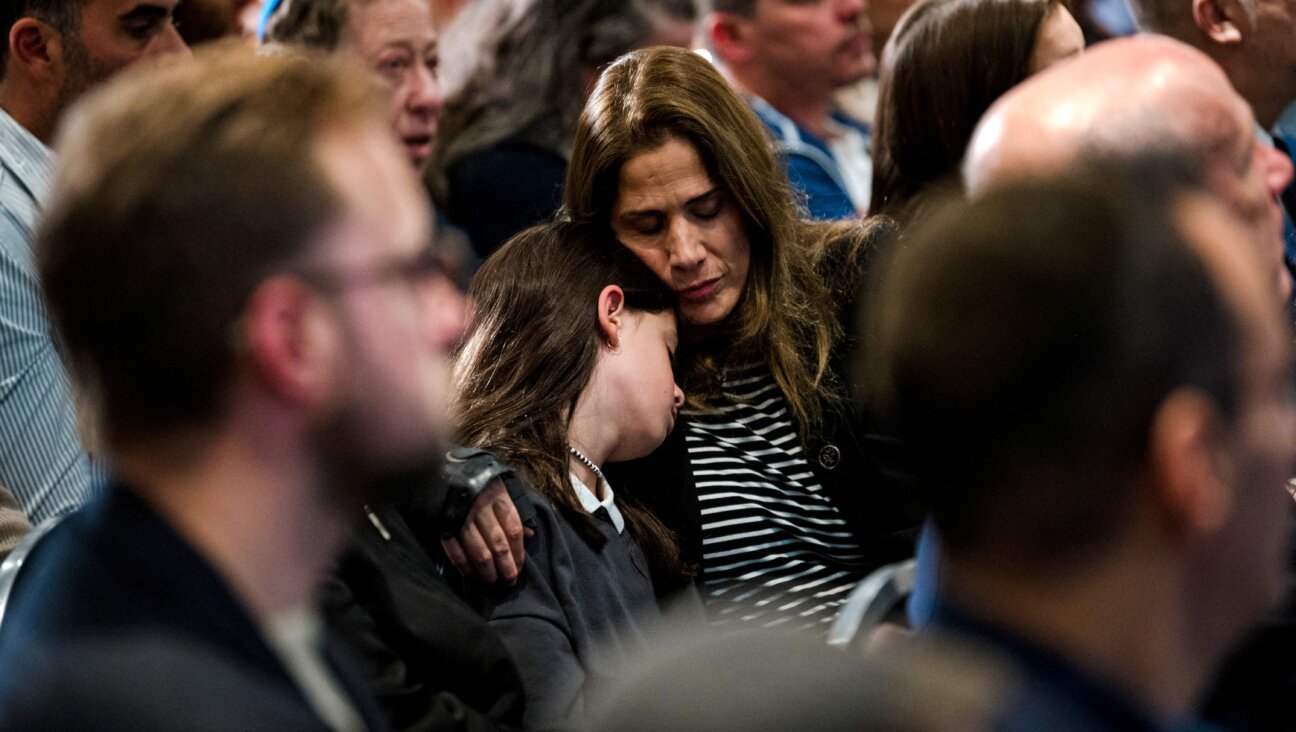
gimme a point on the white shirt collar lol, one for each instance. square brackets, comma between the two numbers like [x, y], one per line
[591, 503]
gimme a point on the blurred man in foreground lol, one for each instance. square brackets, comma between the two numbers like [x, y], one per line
[233, 254]
[1094, 377]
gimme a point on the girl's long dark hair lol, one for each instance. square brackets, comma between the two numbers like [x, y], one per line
[528, 354]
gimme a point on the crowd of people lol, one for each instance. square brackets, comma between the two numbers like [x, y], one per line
[589, 364]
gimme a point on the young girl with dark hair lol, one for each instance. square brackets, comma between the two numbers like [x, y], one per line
[567, 365]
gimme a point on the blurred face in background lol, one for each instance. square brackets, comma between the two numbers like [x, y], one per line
[1242, 564]
[114, 34]
[394, 324]
[820, 43]
[396, 39]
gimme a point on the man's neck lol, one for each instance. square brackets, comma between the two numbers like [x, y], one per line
[1124, 627]
[260, 516]
[1266, 91]
[809, 107]
[23, 105]
[1267, 104]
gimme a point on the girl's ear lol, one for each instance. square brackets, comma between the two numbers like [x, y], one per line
[611, 314]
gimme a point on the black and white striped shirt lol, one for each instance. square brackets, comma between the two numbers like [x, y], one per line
[775, 550]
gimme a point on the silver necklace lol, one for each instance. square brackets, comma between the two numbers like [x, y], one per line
[588, 463]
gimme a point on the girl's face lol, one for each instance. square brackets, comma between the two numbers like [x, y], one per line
[638, 374]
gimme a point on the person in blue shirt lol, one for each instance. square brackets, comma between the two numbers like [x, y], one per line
[788, 59]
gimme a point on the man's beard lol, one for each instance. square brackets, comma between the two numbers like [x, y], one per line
[80, 72]
[355, 472]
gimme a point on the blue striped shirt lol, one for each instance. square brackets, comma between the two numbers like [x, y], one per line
[41, 459]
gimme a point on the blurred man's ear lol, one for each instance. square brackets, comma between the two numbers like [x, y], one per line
[1189, 466]
[292, 348]
[727, 33]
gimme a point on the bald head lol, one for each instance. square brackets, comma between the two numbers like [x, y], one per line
[1122, 100]
[1118, 100]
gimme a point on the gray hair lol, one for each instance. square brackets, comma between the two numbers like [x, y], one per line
[318, 24]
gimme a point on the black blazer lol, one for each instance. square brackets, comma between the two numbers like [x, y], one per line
[117, 623]
[431, 660]
[498, 191]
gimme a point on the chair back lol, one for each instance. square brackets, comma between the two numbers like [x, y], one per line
[872, 601]
[13, 564]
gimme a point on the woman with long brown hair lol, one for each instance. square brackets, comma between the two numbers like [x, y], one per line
[566, 366]
[771, 486]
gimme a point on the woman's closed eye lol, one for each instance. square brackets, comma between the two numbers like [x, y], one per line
[707, 208]
[644, 224]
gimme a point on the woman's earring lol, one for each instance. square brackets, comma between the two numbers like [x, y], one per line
[612, 344]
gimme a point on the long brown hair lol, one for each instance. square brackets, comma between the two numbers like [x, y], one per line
[946, 63]
[528, 354]
[786, 314]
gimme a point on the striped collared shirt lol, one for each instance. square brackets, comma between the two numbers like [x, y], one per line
[41, 459]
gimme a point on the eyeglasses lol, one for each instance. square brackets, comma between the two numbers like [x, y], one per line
[418, 269]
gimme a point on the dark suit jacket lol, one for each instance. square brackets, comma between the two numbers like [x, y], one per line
[1046, 691]
[501, 190]
[117, 623]
[430, 658]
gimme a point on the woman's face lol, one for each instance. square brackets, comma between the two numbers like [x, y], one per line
[682, 225]
[1058, 39]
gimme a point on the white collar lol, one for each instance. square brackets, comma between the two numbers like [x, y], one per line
[591, 503]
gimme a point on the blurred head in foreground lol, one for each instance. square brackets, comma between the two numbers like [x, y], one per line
[1094, 374]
